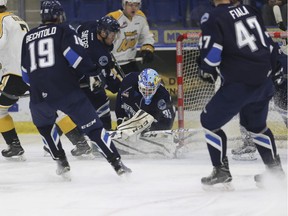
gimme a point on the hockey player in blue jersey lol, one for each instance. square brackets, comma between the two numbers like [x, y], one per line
[235, 46]
[97, 37]
[247, 149]
[145, 91]
[53, 59]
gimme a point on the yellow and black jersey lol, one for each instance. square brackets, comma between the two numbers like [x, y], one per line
[133, 32]
[12, 31]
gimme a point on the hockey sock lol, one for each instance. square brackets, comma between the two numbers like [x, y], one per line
[106, 119]
[104, 144]
[6, 124]
[51, 139]
[217, 146]
[266, 147]
[10, 136]
[75, 136]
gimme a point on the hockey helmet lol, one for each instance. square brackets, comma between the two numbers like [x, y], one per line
[51, 11]
[108, 24]
[3, 2]
[148, 83]
[131, 1]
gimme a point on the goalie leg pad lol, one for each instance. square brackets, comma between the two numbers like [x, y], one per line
[135, 125]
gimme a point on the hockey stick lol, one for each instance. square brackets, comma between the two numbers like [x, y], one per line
[278, 17]
[140, 59]
[14, 97]
[118, 66]
[155, 143]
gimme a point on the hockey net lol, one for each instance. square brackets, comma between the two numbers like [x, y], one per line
[193, 94]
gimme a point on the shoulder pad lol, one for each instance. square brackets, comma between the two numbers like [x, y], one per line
[116, 14]
[140, 13]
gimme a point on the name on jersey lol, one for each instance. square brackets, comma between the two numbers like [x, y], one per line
[238, 12]
[84, 38]
[40, 34]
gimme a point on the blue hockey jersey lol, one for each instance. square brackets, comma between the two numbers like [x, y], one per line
[235, 41]
[53, 53]
[130, 100]
[100, 54]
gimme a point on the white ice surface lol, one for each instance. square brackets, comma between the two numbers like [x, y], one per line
[160, 187]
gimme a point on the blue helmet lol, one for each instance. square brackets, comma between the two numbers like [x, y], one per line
[148, 83]
[108, 24]
[51, 10]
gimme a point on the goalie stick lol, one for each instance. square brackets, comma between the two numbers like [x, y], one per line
[160, 133]
[139, 150]
[14, 97]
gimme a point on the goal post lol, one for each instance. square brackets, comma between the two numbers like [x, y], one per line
[193, 94]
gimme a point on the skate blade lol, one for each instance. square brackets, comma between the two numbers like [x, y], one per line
[46, 154]
[17, 158]
[85, 157]
[244, 157]
[219, 187]
[65, 174]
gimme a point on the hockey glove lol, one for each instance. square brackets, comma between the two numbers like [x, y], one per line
[209, 77]
[146, 53]
[97, 83]
[147, 56]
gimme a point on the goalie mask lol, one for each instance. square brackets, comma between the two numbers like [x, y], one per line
[51, 11]
[131, 1]
[148, 83]
[3, 2]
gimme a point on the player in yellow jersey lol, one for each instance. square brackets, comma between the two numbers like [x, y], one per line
[12, 31]
[134, 30]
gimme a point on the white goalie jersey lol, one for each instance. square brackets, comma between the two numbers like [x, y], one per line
[12, 31]
[132, 32]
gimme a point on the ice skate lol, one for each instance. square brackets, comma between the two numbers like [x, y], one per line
[14, 152]
[46, 151]
[246, 152]
[63, 168]
[82, 148]
[274, 175]
[120, 168]
[220, 178]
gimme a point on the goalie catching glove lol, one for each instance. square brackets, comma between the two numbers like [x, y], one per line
[135, 125]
